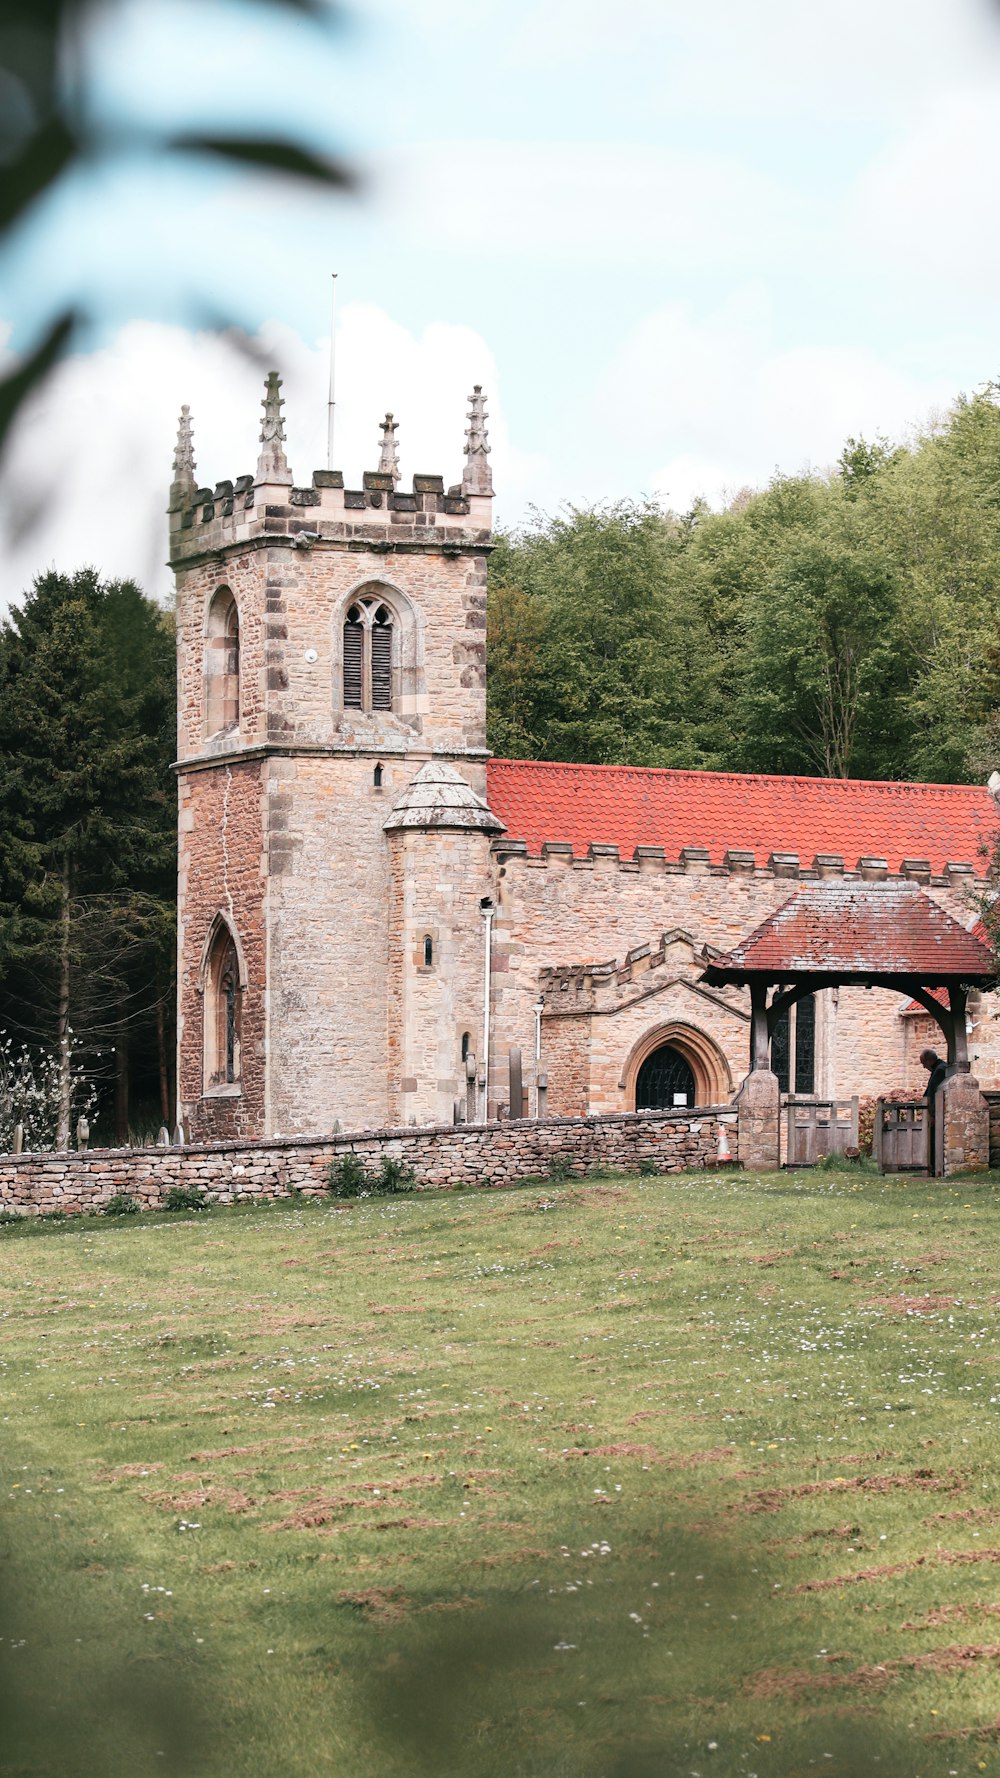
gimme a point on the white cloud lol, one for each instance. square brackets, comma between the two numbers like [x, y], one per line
[926, 206]
[776, 57]
[88, 472]
[714, 405]
[593, 201]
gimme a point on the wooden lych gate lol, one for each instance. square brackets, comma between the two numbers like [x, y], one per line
[901, 1138]
[868, 934]
[817, 1127]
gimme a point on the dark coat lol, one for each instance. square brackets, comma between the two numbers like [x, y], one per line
[934, 1079]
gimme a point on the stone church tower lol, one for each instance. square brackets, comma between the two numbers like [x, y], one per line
[334, 836]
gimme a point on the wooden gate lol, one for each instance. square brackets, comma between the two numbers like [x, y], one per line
[901, 1138]
[817, 1127]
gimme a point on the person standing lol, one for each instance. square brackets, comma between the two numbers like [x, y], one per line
[936, 1071]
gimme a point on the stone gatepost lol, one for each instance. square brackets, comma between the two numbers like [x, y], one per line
[758, 1107]
[962, 1125]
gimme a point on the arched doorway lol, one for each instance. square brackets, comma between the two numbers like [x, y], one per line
[703, 1074]
[662, 1080]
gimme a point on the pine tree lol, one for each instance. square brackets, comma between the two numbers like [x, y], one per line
[86, 818]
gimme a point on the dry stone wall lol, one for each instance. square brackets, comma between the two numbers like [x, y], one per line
[443, 1156]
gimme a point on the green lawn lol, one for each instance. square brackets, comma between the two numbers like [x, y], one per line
[620, 1479]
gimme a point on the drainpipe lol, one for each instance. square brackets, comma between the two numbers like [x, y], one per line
[488, 911]
[539, 1004]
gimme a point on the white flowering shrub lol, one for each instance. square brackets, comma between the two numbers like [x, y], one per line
[29, 1095]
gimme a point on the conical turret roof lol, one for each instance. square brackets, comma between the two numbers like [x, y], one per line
[439, 797]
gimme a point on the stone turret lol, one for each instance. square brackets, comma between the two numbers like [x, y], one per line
[184, 484]
[478, 476]
[272, 464]
[441, 875]
[388, 462]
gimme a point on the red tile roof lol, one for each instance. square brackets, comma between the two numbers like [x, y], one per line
[855, 929]
[630, 806]
[913, 1009]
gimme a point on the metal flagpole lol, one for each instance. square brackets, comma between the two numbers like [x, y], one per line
[333, 370]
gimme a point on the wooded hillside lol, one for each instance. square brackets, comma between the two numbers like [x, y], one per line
[843, 624]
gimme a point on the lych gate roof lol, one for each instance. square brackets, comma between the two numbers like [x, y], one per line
[630, 806]
[858, 930]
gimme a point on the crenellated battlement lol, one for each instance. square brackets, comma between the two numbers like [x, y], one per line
[696, 861]
[380, 515]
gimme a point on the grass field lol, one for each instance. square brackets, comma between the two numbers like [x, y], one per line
[621, 1479]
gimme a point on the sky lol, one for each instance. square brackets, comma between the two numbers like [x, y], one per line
[681, 247]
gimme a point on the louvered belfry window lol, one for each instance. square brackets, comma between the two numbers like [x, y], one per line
[381, 635]
[368, 657]
[354, 661]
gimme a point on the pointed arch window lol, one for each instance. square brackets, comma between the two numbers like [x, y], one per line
[793, 1047]
[223, 1013]
[368, 656]
[222, 665]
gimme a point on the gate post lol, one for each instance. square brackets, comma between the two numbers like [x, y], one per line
[758, 1108]
[962, 1125]
[877, 1135]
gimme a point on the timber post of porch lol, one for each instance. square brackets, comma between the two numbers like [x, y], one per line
[958, 1042]
[760, 1036]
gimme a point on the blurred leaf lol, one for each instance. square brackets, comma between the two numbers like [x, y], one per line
[44, 158]
[316, 9]
[16, 388]
[272, 155]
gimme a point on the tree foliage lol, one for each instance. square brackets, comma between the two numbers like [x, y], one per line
[87, 819]
[840, 624]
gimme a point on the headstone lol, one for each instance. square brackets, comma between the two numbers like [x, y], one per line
[163, 1137]
[18, 1138]
[516, 1092]
[82, 1134]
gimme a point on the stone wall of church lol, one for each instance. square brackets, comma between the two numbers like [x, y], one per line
[220, 870]
[292, 604]
[557, 912]
[328, 915]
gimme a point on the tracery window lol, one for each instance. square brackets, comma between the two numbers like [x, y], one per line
[223, 1012]
[222, 665]
[793, 1047]
[368, 656]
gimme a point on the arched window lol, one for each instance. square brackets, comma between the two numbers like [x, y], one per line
[793, 1047]
[428, 951]
[223, 1012]
[222, 665]
[466, 1044]
[368, 663]
[377, 777]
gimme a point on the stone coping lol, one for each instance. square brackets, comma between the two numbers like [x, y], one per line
[344, 1138]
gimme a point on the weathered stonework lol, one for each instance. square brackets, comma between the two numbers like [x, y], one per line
[963, 1126]
[282, 813]
[441, 1158]
[758, 1103]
